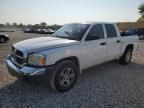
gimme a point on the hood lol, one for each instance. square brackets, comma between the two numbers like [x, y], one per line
[36, 44]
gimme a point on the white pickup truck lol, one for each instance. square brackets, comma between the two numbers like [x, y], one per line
[61, 57]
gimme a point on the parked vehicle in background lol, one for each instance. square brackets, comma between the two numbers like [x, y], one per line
[3, 38]
[140, 33]
[134, 31]
[74, 47]
[46, 31]
[30, 30]
[51, 31]
[27, 30]
[41, 31]
[130, 32]
[37, 30]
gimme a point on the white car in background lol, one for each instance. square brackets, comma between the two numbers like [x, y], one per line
[46, 31]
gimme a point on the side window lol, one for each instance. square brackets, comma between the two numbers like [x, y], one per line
[95, 33]
[111, 31]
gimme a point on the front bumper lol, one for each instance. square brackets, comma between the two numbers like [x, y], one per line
[14, 70]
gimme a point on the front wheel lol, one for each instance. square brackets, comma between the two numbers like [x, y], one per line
[23, 79]
[126, 58]
[65, 77]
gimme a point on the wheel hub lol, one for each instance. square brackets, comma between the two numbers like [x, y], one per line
[128, 56]
[66, 77]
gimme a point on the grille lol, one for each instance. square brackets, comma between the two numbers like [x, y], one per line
[17, 56]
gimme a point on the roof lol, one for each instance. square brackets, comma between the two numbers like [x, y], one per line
[92, 22]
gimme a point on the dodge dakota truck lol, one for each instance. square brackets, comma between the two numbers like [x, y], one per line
[61, 57]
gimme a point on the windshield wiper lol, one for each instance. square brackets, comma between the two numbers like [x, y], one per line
[65, 37]
[53, 35]
[67, 33]
[69, 36]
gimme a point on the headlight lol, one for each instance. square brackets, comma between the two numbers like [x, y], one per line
[36, 59]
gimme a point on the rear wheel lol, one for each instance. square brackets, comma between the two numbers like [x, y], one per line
[65, 77]
[126, 58]
[2, 40]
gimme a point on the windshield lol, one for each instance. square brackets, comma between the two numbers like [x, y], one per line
[72, 31]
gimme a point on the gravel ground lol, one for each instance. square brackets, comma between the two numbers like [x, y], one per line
[109, 85]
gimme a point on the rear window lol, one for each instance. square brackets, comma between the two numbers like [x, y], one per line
[111, 31]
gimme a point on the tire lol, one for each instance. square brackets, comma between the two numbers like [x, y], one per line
[2, 40]
[65, 76]
[126, 58]
[23, 79]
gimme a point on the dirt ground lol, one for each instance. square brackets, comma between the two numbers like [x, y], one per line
[109, 85]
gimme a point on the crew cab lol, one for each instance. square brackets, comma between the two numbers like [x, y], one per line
[61, 57]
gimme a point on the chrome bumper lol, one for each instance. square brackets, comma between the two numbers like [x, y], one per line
[24, 71]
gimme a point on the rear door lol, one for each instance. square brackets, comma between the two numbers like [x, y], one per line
[94, 46]
[113, 42]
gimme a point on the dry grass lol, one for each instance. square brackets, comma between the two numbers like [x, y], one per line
[125, 25]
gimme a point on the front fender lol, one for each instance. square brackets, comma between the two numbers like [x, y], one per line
[56, 54]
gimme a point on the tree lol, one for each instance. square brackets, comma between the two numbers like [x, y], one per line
[36, 26]
[8, 24]
[2, 25]
[141, 11]
[55, 27]
[21, 25]
[29, 26]
[14, 24]
[43, 24]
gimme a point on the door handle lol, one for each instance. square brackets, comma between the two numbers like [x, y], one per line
[104, 43]
[118, 41]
